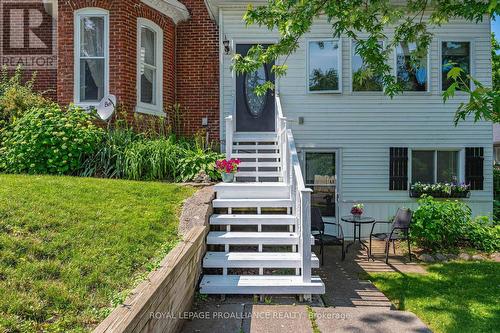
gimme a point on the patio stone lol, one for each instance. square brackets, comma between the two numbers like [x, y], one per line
[464, 256]
[425, 257]
[495, 256]
[477, 257]
[451, 256]
[440, 257]
[276, 318]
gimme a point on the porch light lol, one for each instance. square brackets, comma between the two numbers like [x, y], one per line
[227, 49]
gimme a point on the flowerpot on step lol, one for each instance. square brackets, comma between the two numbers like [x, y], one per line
[227, 177]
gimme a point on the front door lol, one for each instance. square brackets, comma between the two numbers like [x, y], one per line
[254, 113]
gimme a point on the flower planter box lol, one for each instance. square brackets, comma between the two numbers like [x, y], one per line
[440, 195]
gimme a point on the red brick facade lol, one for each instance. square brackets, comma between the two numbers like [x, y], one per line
[197, 64]
[190, 59]
[123, 16]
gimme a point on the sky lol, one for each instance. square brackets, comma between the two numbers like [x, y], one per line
[495, 27]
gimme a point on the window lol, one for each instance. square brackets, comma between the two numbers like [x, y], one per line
[455, 54]
[411, 68]
[321, 178]
[497, 155]
[149, 67]
[91, 56]
[435, 166]
[363, 79]
[324, 68]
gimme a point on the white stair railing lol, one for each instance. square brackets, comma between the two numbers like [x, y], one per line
[229, 137]
[300, 195]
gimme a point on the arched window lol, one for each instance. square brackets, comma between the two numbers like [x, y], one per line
[91, 38]
[149, 67]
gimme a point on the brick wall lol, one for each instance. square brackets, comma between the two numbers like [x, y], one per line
[123, 16]
[37, 55]
[197, 62]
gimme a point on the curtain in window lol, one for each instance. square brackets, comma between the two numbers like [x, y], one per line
[92, 58]
[148, 65]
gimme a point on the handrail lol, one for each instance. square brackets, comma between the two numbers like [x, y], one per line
[300, 195]
[229, 137]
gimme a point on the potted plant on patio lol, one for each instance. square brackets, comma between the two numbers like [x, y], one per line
[227, 169]
[357, 210]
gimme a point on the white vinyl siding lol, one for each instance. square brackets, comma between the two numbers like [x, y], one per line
[365, 126]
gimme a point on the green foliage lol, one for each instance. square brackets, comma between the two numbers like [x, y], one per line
[445, 225]
[48, 140]
[484, 236]
[124, 154]
[73, 247]
[440, 224]
[17, 97]
[320, 81]
[495, 60]
[366, 23]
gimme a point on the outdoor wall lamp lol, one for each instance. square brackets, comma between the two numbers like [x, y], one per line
[227, 48]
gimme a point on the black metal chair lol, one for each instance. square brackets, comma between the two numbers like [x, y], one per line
[318, 231]
[400, 230]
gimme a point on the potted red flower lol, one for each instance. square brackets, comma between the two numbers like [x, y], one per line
[227, 169]
[357, 210]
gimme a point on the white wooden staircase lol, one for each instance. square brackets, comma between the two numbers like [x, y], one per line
[260, 239]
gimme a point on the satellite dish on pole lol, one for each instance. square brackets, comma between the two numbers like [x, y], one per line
[106, 108]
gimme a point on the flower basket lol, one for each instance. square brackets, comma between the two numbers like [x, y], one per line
[440, 190]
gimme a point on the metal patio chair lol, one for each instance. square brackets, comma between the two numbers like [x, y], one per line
[318, 230]
[400, 230]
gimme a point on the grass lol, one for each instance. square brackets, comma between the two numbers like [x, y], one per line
[72, 248]
[452, 297]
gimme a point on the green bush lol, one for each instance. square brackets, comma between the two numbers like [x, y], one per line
[440, 224]
[484, 236]
[124, 154]
[17, 97]
[48, 140]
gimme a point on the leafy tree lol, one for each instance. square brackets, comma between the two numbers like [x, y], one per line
[320, 80]
[366, 23]
[495, 58]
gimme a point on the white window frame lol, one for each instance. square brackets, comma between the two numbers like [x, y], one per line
[472, 55]
[461, 161]
[355, 92]
[395, 71]
[339, 41]
[152, 109]
[93, 12]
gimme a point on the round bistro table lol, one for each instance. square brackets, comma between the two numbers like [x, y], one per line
[357, 221]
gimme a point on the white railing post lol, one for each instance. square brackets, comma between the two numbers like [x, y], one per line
[229, 137]
[305, 207]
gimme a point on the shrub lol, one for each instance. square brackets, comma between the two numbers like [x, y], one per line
[48, 140]
[124, 154]
[440, 224]
[484, 236]
[17, 97]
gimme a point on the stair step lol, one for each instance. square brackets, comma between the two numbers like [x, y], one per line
[255, 137]
[252, 219]
[255, 260]
[271, 190]
[252, 238]
[259, 174]
[267, 164]
[260, 284]
[255, 147]
[251, 203]
[256, 155]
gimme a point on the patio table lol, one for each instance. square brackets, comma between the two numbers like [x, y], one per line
[357, 221]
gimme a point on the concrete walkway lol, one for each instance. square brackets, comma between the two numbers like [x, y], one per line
[351, 303]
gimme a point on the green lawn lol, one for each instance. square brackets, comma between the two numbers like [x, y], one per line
[71, 248]
[452, 297]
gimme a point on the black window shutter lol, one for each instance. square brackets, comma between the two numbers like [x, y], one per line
[398, 169]
[474, 167]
